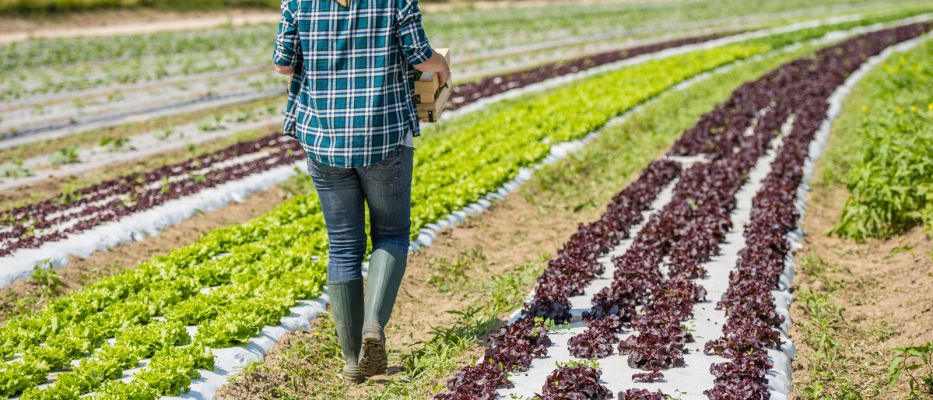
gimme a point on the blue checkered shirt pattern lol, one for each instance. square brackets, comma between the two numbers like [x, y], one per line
[350, 102]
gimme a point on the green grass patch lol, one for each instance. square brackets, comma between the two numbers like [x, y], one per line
[450, 274]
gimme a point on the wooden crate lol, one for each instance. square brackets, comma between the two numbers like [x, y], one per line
[430, 96]
[431, 112]
[427, 87]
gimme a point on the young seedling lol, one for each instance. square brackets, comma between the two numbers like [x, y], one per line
[115, 96]
[45, 277]
[65, 155]
[165, 134]
[209, 125]
[114, 143]
[18, 170]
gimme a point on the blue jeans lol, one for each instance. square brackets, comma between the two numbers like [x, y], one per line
[386, 189]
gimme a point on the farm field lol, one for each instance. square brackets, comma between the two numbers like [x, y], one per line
[629, 199]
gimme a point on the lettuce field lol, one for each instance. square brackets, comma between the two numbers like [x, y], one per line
[625, 200]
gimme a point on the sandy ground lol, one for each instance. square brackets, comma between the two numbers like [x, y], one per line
[885, 288]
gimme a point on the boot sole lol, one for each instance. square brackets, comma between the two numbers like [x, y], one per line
[373, 361]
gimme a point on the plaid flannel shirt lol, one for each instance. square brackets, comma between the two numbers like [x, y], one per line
[350, 102]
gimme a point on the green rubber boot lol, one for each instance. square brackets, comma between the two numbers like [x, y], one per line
[386, 270]
[346, 299]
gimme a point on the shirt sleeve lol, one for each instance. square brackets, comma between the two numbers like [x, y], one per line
[287, 44]
[415, 44]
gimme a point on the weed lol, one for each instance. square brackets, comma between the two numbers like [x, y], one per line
[449, 275]
[46, 278]
[916, 362]
[211, 124]
[578, 363]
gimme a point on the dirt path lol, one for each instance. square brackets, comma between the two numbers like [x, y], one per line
[882, 291]
[495, 5]
[442, 279]
[125, 22]
[133, 22]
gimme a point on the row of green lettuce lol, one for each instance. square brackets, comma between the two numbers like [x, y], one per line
[261, 268]
[890, 130]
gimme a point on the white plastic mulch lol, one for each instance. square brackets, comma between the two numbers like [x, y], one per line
[21, 263]
[686, 382]
[206, 387]
[137, 147]
[138, 226]
[230, 361]
[690, 381]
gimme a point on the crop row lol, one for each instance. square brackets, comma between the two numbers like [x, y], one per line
[100, 61]
[252, 287]
[105, 61]
[31, 225]
[442, 28]
[28, 224]
[113, 61]
[749, 305]
[890, 137]
[511, 348]
[474, 91]
[71, 327]
[800, 88]
[688, 232]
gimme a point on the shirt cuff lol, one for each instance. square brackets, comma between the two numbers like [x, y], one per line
[284, 61]
[418, 57]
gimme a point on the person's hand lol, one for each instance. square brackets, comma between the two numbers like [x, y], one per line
[443, 76]
[438, 65]
[286, 71]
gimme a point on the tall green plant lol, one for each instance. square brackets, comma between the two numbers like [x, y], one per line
[891, 178]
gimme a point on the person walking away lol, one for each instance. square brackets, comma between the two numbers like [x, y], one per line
[351, 107]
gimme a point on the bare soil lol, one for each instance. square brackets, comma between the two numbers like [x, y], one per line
[27, 296]
[498, 4]
[885, 288]
[125, 22]
[142, 21]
